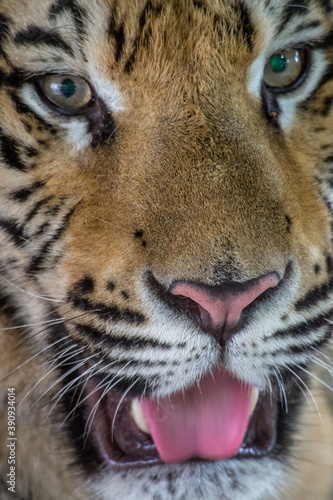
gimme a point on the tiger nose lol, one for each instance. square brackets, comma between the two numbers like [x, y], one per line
[218, 309]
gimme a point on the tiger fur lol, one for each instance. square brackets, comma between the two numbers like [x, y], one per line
[181, 167]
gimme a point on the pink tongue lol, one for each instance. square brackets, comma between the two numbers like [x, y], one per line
[208, 421]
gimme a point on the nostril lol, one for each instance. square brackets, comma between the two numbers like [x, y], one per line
[218, 309]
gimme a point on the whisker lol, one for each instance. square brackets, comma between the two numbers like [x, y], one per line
[18, 327]
[112, 383]
[308, 390]
[110, 223]
[92, 413]
[279, 380]
[35, 356]
[64, 389]
[49, 327]
[118, 406]
[323, 365]
[59, 379]
[71, 385]
[80, 402]
[30, 293]
[316, 378]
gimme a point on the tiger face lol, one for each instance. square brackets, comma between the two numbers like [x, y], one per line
[166, 255]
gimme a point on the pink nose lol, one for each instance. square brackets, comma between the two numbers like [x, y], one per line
[218, 309]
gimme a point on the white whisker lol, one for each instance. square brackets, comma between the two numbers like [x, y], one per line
[112, 383]
[316, 378]
[30, 293]
[279, 380]
[59, 379]
[118, 406]
[35, 356]
[308, 390]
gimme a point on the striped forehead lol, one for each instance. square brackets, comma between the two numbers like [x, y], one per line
[66, 27]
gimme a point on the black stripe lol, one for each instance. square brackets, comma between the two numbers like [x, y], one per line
[35, 209]
[120, 41]
[327, 77]
[4, 31]
[148, 11]
[329, 264]
[56, 209]
[119, 36]
[329, 159]
[10, 148]
[99, 355]
[38, 262]
[120, 342]
[118, 33]
[325, 43]
[84, 285]
[294, 8]
[2, 78]
[23, 194]
[247, 29]
[303, 328]
[60, 6]
[327, 106]
[34, 35]
[42, 230]
[198, 4]
[308, 348]
[108, 312]
[8, 305]
[78, 13]
[299, 349]
[14, 230]
[314, 296]
[82, 335]
[306, 26]
[326, 5]
[16, 79]
[22, 108]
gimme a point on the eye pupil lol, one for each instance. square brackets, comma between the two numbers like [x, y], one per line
[278, 63]
[68, 88]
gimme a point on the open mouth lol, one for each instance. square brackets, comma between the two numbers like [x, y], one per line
[217, 419]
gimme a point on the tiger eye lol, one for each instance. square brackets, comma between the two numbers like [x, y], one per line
[284, 69]
[71, 93]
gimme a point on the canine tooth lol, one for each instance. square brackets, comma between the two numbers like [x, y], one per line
[139, 418]
[254, 399]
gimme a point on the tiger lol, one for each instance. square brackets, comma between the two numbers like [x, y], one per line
[166, 265]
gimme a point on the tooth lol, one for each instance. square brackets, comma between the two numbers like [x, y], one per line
[254, 399]
[139, 418]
